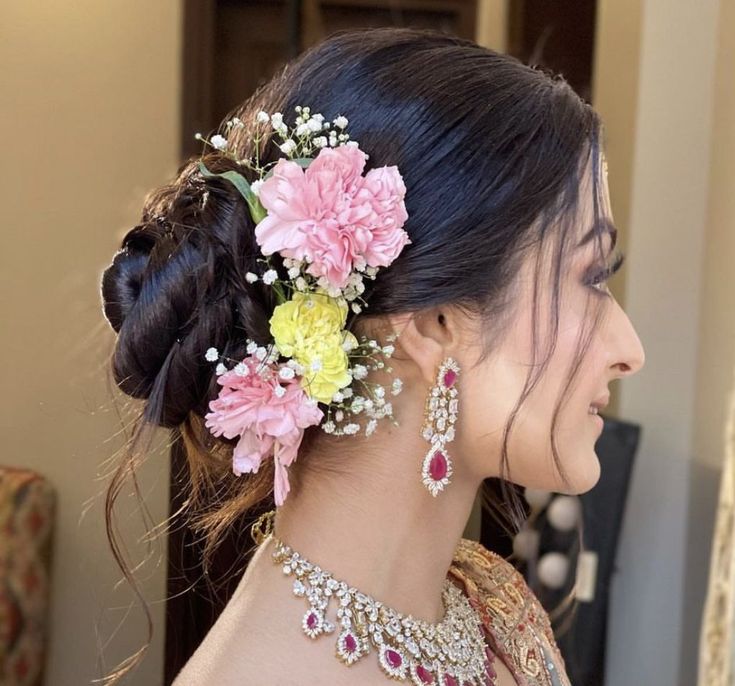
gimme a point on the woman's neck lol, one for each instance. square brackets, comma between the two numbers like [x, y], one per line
[371, 523]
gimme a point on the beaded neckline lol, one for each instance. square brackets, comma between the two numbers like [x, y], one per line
[449, 653]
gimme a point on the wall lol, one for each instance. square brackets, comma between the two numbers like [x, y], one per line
[716, 363]
[89, 115]
[661, 88]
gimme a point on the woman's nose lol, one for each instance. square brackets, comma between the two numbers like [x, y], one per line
[627, 350]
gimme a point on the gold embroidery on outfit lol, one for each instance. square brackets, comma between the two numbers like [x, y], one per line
[517, 626]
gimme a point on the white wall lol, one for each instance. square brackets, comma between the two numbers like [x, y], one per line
[672, 184]
[90, 116]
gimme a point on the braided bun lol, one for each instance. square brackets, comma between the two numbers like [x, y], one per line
[176, 287]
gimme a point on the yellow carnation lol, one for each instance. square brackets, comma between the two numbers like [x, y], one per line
[331, 372]
[305, 317]
[309, 329]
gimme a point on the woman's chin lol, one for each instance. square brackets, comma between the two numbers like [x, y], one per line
[583, 478]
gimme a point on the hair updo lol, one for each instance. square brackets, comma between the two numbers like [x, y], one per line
[491, 152]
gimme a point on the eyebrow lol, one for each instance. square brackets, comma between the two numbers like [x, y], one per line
[607, 226]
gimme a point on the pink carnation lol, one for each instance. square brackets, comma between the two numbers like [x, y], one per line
[331, 216]
[268, 425]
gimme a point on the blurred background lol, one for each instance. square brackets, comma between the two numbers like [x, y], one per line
[100, 103]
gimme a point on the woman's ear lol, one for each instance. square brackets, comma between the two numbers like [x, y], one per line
[427, 337]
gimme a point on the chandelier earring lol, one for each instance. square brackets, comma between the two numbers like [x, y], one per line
[440, 416]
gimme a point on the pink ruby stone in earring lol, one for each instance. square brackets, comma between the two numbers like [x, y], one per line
[350, 643]
[450, 376]
[438, 466]
[311, 620]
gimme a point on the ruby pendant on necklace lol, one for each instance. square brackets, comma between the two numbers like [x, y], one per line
[450, 653]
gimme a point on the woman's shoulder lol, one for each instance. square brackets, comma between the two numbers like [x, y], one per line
[512, 615]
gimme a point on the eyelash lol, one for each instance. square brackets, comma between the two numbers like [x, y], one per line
[605, 274]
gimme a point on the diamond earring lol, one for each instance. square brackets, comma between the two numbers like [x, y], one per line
[440, 416]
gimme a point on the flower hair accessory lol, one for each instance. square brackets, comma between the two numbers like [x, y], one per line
[333, 227]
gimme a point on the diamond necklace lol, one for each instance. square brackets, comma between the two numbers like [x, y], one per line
[450, 653]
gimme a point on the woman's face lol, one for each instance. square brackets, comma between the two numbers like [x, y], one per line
[490, 391]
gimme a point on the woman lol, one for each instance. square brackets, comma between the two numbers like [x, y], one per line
[493, 336]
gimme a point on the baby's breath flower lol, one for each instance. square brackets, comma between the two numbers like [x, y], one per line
[251, 347]
[241, 369]
[301, 283]
[341, 122]
[255, 186]
[298, 368]
[359, 371]
[339, 415]
[270, 276]
[220, 369]
[388, 350]
[293, 272]
[338, 397]
[212, 354]
[349, 344]
[263, 117]
[397, 386]
[288, 146]
[286, 373]
[329, 427]
[261, 353]
[347, 392]
[356, 308]
[379, 392]
[358, 404]
[388, 409]
[250, 277]
[280, 391]
[371, 426]
[276, 119]
[351, 428]
[219, 142]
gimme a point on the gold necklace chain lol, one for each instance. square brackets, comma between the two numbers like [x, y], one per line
[450, 653]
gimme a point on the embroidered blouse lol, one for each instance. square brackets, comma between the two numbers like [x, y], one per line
[517, 628]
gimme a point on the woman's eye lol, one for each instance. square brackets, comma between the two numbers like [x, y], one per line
[599, 278]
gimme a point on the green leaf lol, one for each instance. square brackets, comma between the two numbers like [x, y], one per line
[257, 211]
[235, 178]
[303, 161]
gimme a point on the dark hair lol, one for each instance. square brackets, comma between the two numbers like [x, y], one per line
[492, 153]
